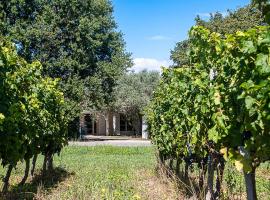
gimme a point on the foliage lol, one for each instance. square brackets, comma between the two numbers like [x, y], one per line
[179, 54]
[76, 41]
[239, 20]
[31, 107]
[134, 90]
[240, 91]
[219, 103]
[264, 7]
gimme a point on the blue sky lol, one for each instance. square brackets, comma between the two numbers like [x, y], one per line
[152, 27]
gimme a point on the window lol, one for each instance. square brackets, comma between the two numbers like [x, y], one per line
[125, 123]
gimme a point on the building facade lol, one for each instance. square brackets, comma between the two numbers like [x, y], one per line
[110, 124]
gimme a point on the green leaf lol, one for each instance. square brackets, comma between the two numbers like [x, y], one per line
[213, 135]
[249, 101]
[248, 47]
[220, 121]
[242, 164]
[217, 97]
[262, 63]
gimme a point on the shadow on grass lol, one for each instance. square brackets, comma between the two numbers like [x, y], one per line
[40, 181]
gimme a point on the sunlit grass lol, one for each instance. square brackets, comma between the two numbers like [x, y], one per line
[94, 173]
[106, 172]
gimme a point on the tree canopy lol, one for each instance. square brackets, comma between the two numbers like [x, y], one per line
[264, 7]
[134, 91]
[76, 41]
[239, 20]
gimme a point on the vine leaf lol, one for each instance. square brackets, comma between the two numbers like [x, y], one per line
[262, 63]
[249, 102]
[248, 47]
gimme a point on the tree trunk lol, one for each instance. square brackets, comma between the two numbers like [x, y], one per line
[44, 167]
[186, 171]
[6, 179]
[220, 171]
[50, 162]
[34, 164]
[171, 164]
[161, 159]
[202, 175]
[250, 185]
[210, 178]
[177, 167]
[26, 172]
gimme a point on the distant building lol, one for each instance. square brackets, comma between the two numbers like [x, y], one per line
[110, 124]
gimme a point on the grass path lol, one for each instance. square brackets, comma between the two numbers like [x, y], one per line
[116, 173]
[102, 172]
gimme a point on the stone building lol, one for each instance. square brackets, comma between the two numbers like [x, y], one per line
[110, 124]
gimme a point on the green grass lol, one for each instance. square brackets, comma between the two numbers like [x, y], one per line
[106, 172]
[91, 173]
[235, 181]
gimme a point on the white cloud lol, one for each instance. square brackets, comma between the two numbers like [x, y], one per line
[159, 37]
[149, 64]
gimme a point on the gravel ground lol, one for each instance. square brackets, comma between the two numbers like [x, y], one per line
[120, 143]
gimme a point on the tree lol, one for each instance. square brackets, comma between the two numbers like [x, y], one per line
[264, 7]
[179, 54]
[76, 41]
[239, 20]
[134, 91]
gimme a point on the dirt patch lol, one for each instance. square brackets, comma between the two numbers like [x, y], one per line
[263, 173]
[154, 186]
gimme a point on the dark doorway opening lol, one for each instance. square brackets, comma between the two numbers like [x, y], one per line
[90, 125]
[126, 123]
